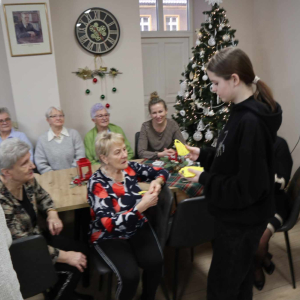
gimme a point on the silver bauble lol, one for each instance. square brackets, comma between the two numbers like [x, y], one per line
[185, 134]
[211, 41]
[226, 37]
[209, 135]
[182, 112]
[197, 136]
[200, 35]
[202, 53]
[194, 66]
[198, 43]
[210, 26]
[204, 77]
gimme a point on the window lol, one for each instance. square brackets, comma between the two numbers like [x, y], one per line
[145, 23]
[171, 23]
[175, 15]
[148, 15]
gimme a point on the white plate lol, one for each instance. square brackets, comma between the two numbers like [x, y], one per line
[158, 163]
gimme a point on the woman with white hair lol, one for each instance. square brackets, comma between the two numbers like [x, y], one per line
[58, 148]
[22, 200]
[100, 116]
[7, 131]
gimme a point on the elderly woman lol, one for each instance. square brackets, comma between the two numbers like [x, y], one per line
[59, 147]
[100, 116]
[9, 284]
[120, 232]
[7, 132]
[22, 199]
[158, 134]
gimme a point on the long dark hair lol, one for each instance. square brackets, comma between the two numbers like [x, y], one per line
[154, 99]
[230, 61]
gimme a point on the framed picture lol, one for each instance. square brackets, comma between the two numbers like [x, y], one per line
[28, 29]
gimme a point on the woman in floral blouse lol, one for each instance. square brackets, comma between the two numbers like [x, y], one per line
[120, 232]
[22, 198]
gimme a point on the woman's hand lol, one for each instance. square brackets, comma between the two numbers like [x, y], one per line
[195, 178]
[166, 152]
[194, 152]
[155, 186]
[72, 258]
[55, 224]
[147, 201]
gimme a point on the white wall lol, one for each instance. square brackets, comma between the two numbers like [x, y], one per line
[127, 108]
[276, 51]
[34, 84]
[6, 97]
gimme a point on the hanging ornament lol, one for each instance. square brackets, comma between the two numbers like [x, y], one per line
[214, 143]
[194, 66]
[210, 26]
[205, 110]
[107, 105]
[200, 126]
[211, 41]
[204, 77]
[209, 135]
[185, 134]
[174, 115]
[187, 95]
[191, 76]
[180, 94]
[87, 91]
[102, 97]
[193, 97]
[211, 113]
[183, 85]
[198, 43]
[226, 37]
[213, 2]
[197, 136]
[95, 80]
[114, 89]
[202, 53]
[221, 27]
[203, 68]
[182, 112]
[200, 35]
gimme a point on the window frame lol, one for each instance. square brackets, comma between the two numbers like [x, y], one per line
[177, 22]
[161, 32]
[150, 22]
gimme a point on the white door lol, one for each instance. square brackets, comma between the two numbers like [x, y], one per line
[164, 59]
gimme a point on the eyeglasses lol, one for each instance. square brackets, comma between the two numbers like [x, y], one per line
[57, 116]
[102, 116]
[5, 120]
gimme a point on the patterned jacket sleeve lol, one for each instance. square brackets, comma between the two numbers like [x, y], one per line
[108, 222]
[147, 173]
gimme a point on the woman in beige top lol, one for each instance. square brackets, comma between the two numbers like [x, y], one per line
[158, 134]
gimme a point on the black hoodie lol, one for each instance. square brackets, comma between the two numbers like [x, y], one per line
[239, 177]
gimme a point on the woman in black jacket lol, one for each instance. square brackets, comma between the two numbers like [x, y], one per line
[238, 174]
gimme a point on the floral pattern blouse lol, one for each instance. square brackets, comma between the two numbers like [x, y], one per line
[113, 205]
[17, 219]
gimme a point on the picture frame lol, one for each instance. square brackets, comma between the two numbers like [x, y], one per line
[28, 29]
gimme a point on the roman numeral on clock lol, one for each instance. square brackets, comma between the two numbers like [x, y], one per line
[90, 46]
[97, 14]
[83, 39]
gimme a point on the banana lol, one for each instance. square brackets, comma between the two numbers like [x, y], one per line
[181, 149]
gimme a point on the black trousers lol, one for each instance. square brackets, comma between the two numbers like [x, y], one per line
[126, 256]
[231, 272]
[68, 276]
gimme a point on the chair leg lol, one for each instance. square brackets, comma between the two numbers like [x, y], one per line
[175, 274]
[288, 247]
[192, 254]
[109, 286]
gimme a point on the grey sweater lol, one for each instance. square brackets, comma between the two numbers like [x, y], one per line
[9, 284]
[50, 156]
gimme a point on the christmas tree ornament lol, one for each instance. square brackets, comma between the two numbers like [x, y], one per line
[183, 85]
[107, 105]
[193, 97]
[198, 43]
[202, 53]
[211, 41]
[214, 144]
[203, 68]
[182, 112]
[174, 115]
[191, 76]
[211, 113]
[210, 26]
[102, 97]
[226, 37]
[209, 135]
[200, 35]
[185, 134]
[95, 80]
[213, 2]
[114, 89]
[194, 66]
[187, 95]
[197, 136]
[87, 91]
[180, 94]
[200, 126]
[204, 77]
[221, 27]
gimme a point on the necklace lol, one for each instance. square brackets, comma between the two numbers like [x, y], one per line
[119, 183]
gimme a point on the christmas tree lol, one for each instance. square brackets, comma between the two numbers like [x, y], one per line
[199, 112]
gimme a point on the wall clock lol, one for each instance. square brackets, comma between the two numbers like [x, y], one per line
[97, 30]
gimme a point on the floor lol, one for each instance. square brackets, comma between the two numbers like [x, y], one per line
[192, 276]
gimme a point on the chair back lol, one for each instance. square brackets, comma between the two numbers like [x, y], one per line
[136, 142]
[159, 215]
[293, 193]
[192, 225]
[33, 265]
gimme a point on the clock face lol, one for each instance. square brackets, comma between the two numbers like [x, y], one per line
[97, 30]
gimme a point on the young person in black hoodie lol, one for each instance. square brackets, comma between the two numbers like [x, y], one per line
[238, 175]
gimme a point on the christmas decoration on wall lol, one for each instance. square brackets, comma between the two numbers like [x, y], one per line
[102, 97]
[107, 105]
[114, 89]
[87, 91]
[95, 80]
[199, 111]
